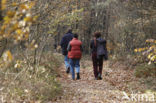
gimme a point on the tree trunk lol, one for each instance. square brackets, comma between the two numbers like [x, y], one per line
[0, 12]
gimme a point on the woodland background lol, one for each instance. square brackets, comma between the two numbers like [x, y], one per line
[29, 29]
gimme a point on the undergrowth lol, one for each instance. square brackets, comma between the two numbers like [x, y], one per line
[27, 83]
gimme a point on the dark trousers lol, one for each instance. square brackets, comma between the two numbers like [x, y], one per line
[97, 64]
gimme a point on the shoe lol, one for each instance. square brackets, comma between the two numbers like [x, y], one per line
[96, 78]
[78, 76]
[68, 70]
[73, 79]
[99, 76]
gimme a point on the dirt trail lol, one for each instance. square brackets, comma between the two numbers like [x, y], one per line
[87, 90]
[117, 80]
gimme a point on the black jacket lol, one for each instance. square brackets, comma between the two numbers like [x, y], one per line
[65, 41]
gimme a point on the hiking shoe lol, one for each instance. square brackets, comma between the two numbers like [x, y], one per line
[95, 78]
[73, 79]
[78, 76]
[68, 70]
[99, 76]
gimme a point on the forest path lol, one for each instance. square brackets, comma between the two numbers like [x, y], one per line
[88, 90]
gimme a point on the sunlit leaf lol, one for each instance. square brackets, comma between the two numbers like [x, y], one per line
[10, 14]
[31, 4]
[3, 4]
[7, 56]
[28, 19]
[19, 31]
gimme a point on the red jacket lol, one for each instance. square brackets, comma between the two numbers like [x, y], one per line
[75, 49]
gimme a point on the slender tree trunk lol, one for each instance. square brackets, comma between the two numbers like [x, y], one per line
[107, 24]
[0, 12]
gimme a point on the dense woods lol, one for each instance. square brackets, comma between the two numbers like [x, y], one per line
[29, 29]
[125, 24]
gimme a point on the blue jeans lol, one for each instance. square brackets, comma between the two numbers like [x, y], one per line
[66, 61]
[74, 64]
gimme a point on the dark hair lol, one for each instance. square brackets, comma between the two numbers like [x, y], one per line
[69, 30]
[97, 34]
[75, 36]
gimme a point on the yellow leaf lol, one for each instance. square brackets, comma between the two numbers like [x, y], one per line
[18, 64]
[7, 56]
[3, 4]
[149, 56]
[7, 20]
[28, 19]
[31, 4]
[35, 18]
[10, 58]
[153, 58]
[3, 1]
[15, 26]
[23, 6]
[19, 31]
[10, 14]
[3, 28]
[14, 4]
[150, 40]
[26, 36]
[135, 50]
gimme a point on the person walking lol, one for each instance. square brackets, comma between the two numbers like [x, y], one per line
[98, 52]
[74, 55]
[64, 44]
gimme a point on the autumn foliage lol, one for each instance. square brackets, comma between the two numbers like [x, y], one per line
[15, 26]
[149, 51]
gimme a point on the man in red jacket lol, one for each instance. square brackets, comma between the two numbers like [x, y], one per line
[74, 55]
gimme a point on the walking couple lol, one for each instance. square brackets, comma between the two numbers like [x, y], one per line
[72, 51]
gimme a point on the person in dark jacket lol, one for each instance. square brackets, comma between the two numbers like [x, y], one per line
[99, 52]
[64, 43]
[74, 55]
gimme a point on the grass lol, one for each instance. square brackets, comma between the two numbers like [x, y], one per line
[24, 85]
[145, 70]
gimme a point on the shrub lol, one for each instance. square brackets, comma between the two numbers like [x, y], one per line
[149, 51]
[23, 84]
[145, 70]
